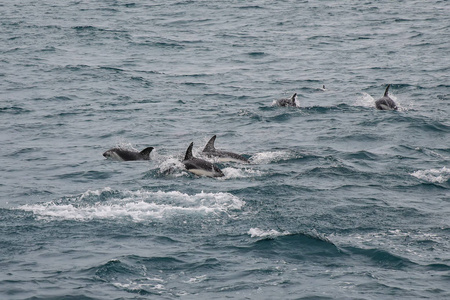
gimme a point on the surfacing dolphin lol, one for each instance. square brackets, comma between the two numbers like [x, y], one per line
[126, 155]
[199, 166]
[223, 156]
[386, 103]
[288, 101]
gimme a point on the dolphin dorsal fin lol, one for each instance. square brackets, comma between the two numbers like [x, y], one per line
[386, 92]
[189, 152]
[146, 152]
[210, 145]
[293, 97]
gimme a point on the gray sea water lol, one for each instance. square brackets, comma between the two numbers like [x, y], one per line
[339, 201]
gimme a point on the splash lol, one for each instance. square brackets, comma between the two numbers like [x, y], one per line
[433, 175]
[365, 100]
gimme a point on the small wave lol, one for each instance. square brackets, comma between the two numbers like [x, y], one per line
[433, 175]
[135, 205]
[131, 277]
[14, 110]
[382, 257]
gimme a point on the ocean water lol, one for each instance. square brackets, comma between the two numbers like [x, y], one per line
[339, 200]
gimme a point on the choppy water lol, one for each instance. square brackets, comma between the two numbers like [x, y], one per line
[340, 201]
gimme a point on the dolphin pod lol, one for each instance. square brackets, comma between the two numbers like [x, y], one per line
[202, 167]
[384, 103]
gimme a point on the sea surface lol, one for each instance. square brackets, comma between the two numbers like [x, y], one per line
[339, 200]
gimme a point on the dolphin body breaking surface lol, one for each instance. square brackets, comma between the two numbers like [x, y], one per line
[385, 102]
[288, 101]
[223, 156]
[199, 166]
[127, 155]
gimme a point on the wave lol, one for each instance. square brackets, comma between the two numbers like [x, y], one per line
[14, 110]
[381, 257]
[136, 206]
[291, 246]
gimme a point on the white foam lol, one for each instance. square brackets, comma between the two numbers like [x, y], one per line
[433, 175]
[135, 205]
[256, 232]
[142, 284]
[271, 156]
[232, 173]
[197, 279]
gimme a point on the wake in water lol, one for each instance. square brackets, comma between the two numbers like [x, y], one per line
[135, 205]
[273, 156]
[172, 166]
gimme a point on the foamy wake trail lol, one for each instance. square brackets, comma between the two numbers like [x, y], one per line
[272, 156]
[433, 175]
[232, 173]
[256, 232]
[135, 205]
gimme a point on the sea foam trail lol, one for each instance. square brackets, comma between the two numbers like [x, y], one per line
[272, 233]
[135, 205]
[272, 156]
[433, 175]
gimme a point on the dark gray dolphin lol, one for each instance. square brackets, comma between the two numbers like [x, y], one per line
[223, 156]
[386, 103]
[125, 155]
[288, 101]
[199, 166]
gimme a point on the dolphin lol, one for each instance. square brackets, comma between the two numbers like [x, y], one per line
[125, 155]
[223, 156]
[288, 101]
[386, 103]
[199, 166]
